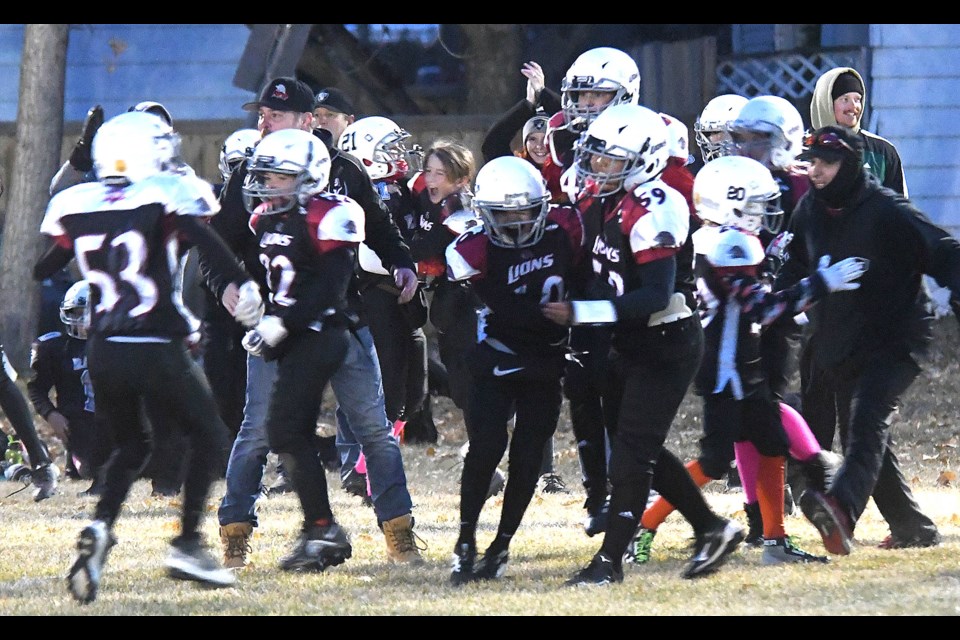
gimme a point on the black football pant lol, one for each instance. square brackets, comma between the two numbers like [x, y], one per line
[533, 395]
[15, 407]
[584, 385]
[402, 352]
[124, 376]
[225, 363]
[308, 362]
[861, 404]
[651, 383]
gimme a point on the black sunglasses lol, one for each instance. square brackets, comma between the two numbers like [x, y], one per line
[827, 139]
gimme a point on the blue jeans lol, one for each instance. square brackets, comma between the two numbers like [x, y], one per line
[362, 418]
[248, 457]
[362, 424]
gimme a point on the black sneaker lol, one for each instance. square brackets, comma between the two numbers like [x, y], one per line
[784, 551]
[830, 518]
[820, 470]
[601, 571]
[464, 557]
[598, 514]
[754, 536]
[84, 577]
[189, 559]
[713, 548]
[492, 565]
[354, 483]
[552, 483]
[924, 538]
[318, 548]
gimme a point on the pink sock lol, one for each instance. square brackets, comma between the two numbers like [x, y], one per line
[803, 444]
[748, 464]
[398, 430]
[361, 465]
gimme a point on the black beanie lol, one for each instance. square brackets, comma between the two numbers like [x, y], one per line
[845, 83]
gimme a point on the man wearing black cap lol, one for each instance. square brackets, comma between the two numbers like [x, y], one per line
[864, 344]
[333, 112]
[838, 99]
[287, 103]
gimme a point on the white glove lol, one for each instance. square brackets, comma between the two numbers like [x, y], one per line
[271, 329]
[841, 276]
[249, 307]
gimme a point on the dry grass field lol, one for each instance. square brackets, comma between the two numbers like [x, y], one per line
[37, 544]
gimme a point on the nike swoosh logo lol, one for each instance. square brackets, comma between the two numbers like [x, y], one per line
[497, 371]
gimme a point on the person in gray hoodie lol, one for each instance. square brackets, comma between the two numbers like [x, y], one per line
[838, 99]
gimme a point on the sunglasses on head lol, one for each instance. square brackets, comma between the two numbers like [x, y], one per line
[827, 139]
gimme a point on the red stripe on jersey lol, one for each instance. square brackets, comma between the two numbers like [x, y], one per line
[677, 175]
[649, 255]
[473, 249]
[317, 210]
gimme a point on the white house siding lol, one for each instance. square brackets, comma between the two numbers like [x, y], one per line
[187, 67]
[915, 103]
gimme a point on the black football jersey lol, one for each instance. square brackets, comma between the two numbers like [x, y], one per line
[303, 286]
[514, 283]
[127, 243]
[649, 223]
[59, 362]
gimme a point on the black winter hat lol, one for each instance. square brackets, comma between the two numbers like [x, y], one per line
[284, 94]
[845, 83]
[333, 99]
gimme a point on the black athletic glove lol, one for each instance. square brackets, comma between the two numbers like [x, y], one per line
[80, 158]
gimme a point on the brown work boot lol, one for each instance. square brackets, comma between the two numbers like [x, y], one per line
[402, 542]
[235, 538]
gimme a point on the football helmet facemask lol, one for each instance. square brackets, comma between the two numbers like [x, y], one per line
[291, 152]
[75, 310]
[714, 119]
[603, 69]
[378, 143]
[133, 146]
[504, 188]
[778, 121]
[631, 138]
[739, 192]
[237, 147]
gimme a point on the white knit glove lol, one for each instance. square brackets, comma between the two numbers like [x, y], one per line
[249, 307]
[841, 276]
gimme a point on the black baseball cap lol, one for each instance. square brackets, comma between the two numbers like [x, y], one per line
[333, 99]
[284, 94]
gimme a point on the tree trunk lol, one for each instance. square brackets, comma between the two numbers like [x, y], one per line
[39, 136]
[493, 67]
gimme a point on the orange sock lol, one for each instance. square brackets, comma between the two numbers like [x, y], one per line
[770, 496]
[660, 509]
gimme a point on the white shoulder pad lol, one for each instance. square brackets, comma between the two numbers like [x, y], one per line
[49, 336]
[666, 222]
[458, 266]
[188, 194]
[704, 238]
[343, 220]
[86, 196]
[370, 261]
[462, 221]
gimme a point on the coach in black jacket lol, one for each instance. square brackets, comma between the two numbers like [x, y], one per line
[865, 344]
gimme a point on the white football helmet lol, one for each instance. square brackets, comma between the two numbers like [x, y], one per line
[238, 146]
[739, 192]
[601, 69]
[735, 249]
[506, 186]
[378, 143]
[714, 119]
[133, 146]
[75, 309]
[678, 138]
[627, 134]
[779, 121]
[292, 152]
